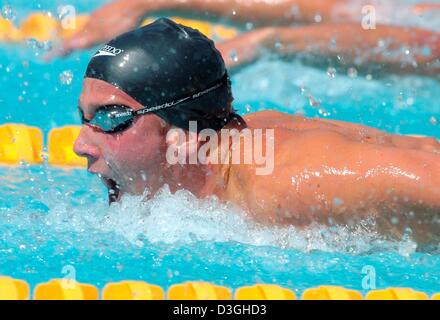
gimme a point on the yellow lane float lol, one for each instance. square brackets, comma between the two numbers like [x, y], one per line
[132, 290]
[8, 32]
[211, 30]
[40, 27]
[13, 289]
[19, 142]
[198, 291]
[78, 24]
[331, 293]
[264, 292]
[65, 289]
[44, 27]
[396, 294]
[60, 147]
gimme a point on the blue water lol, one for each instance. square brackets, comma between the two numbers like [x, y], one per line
[53, 220]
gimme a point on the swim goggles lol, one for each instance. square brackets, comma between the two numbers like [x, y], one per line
[117, 117]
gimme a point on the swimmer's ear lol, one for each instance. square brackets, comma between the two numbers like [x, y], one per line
[164, 124]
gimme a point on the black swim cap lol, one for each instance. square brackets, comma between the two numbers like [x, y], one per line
[163, 62]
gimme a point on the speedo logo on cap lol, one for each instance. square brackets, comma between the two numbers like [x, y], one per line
[108, 51]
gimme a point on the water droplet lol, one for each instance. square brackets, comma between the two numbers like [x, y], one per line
[66, 77]
[352, 72]
[337, 201]
[295, 10]
[317, 18]
[8, 12]
[312, 101]
[333, 45]
[426, 51]
[249, 26]
[278, 45]
[38, 46]
[369, 77]
[323, 112]
[331, 72]
[233, 56]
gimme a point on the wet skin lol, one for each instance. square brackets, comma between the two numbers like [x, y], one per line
[325, 171]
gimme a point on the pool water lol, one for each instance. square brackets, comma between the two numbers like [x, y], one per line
[56, 222]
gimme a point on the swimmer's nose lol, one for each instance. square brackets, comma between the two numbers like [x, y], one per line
[84, 148]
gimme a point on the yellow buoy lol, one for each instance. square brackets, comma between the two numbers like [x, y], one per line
[60, 147]
[331, 293]
[202, 26]
[211, 30]
[264, 292]
[20, 143]
[396, 294]
[198, 291]
[72, 28]
[132, 290]
[8, 32]
[65, 289]
[13, 289]
[39, 26]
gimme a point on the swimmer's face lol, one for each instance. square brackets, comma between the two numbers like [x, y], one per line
[128, 161]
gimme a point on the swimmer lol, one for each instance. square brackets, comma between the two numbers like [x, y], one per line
[415, 51]
[385, 48]
[120, 16]
[146, 83]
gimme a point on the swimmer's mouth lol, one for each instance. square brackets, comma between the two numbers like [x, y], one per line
[114, 193]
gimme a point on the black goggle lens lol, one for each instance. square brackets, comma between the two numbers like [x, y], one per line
[113, 118]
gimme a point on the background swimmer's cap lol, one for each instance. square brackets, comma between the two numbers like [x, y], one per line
[165, 61]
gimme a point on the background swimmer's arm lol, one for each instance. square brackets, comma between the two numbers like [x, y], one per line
[399, 49]
[258, 12]
[120, 16]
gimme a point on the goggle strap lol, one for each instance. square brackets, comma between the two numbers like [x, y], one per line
[173, 103]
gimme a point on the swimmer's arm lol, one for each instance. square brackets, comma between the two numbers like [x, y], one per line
[120, 16]
[385, 45]
[386, 182]
[257, 12]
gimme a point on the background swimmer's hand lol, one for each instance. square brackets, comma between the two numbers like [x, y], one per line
[104, 24]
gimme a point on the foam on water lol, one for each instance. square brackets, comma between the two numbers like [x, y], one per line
[52, 218]
[58, 206]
